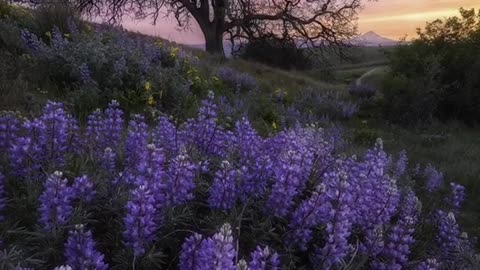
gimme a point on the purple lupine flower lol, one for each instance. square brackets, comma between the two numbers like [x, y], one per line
[401, 164]
[57, 42]
[108, 162]
[255, 163]
[375, 193]
[215, 253]
[246, 82]
[80, 251]
[33, 43]
[21, 155]
[120, 67]
[105, 129]
[149, 172]
[180, 180]
[93, 132]
[224, 191]
[448, 235]
[289, 179]
[311, 212]
[74, 143]
[165, 135]
[82, 189]
[397, 245]
[429, 264]
[9, 130]
[227, 74]
[72, 28]
[457, 197]
[197, 253]
[376, 196]
[84, 74]
[434, 178]
[45, 142]
[55, 202]
[3, 203]
[61, 267]
[137, 140]
[264, 259]
[54, 132]
[224, 249]
[113, 125]
[140, 224]
[339, 220]
[204, 132]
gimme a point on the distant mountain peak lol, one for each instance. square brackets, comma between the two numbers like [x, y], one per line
[371, 38]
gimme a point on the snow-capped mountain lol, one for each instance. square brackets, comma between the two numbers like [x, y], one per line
[372, 39]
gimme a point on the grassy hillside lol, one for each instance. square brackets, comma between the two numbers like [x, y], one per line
[121, 151]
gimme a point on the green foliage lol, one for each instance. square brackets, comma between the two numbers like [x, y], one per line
[15, 13]
[408, 102]
[365, 136]
[54, 13]
[277, 53]
[437, 75]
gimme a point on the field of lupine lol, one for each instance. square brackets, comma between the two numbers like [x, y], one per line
[122, 194]
[186, 169]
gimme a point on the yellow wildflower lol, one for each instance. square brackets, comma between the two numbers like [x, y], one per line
[197, 80]
[148, 86]
[66, 35]
[274, 125]
[150, 101]
[173, 52]
[48, 34]
[158, 43]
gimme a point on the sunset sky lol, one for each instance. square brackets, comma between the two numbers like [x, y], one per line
[389, 18]
[397, 18]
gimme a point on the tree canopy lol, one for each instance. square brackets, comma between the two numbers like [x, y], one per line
[309, 23]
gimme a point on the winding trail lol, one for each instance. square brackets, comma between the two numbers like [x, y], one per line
[358, 82]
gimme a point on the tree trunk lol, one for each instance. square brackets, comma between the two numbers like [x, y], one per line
[214, 42]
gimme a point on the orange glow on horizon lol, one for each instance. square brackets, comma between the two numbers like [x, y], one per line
[399, 18]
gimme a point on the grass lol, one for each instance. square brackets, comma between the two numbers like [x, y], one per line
[451, 147]
[272, 78]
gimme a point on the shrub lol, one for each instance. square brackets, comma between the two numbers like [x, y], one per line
[276, 52]
[436, 73]
[362, 90]
[236, 80]
[50, 14]
[408, 102]
[91, 68]
[325, 104]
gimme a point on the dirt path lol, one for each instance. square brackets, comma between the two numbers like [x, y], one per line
[366, 74]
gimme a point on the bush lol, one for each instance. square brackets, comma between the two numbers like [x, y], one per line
[50, 14]
[362, 90]
[408, 102]
[110, 64]
[277, 53]
[236, 80]
[434, 76]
